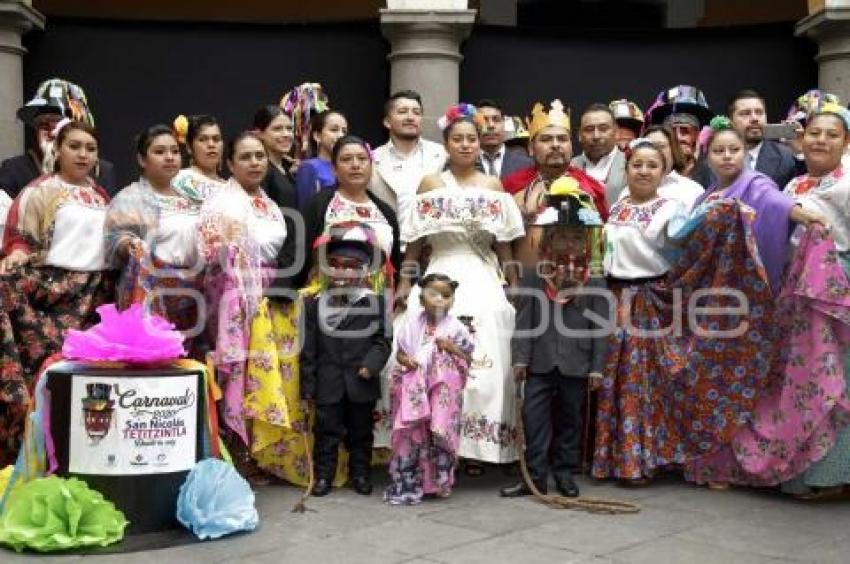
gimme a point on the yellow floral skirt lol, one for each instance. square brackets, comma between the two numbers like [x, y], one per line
[281, 426]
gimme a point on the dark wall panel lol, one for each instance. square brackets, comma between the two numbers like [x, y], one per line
[519, 67]
[136, 74]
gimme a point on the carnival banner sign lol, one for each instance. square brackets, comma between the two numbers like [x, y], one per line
[127, 426]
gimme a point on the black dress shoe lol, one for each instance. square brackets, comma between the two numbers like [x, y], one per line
[321, 488]
[518, 490]
[362, 485]
[566, 486]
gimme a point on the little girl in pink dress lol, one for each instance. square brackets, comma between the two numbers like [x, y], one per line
[434, 353]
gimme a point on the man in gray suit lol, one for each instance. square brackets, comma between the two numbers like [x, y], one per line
[601, 159]
[774, 159]
[496, 159]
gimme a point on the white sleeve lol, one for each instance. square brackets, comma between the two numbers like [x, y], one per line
[666, 221]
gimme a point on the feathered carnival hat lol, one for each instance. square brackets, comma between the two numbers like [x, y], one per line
[627, 114]
[815, 102]
[57, 96]
[458, 112]
[541, 119]
[301, 103]
[569, 206]
[682, 99]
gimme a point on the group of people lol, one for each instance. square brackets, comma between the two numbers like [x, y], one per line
[685, 272]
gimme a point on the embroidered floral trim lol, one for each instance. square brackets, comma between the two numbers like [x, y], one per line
[83, 196]
[639, 215]
[804, 184]
[478, 427]
[460, 208]
[468, 210]
[263, 207]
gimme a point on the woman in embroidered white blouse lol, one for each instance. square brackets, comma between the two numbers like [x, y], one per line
[640, 223]
[201, 138]
[151, 233]
[241, 233]
[52, 274]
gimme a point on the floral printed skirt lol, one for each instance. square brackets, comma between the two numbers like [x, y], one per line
[797, 427]
[424, 452]
[38, 305]
[280, 424]
[674, 390]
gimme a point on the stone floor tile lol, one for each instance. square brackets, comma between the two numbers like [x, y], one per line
[504, 549]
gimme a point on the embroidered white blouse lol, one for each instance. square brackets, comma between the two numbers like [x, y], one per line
[829, 196]
[341, 209]
[635, 235]
[65, 221]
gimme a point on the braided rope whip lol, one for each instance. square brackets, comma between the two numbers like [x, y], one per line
[589, 504]
[301, 505]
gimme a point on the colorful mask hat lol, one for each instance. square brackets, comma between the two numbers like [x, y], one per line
[567, 205]
[682, 99]
[817, 102]
[515, 131]
[57, 96]
[627, 114]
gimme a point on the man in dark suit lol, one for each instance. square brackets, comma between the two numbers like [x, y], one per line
[496, 159]
[54, 100]
[774, 159]
[347, 342]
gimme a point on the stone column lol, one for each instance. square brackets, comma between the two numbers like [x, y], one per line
[828, 24]
[16, 18]
[425, 52]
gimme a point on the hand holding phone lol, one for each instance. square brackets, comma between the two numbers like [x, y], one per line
[777, 131]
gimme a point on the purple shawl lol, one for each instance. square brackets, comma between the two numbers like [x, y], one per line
[772, 226]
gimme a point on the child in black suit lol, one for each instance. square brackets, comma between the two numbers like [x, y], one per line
[347, 342]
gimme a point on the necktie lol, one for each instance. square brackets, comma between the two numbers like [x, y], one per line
[490, 162]
[750, 164]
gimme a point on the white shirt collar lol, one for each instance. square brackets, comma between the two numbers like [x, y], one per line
[754, 153]
[602, 167]
[397, 155]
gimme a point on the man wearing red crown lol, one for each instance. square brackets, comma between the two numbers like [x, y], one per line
[551, 148]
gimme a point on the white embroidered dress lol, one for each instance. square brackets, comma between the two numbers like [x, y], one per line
[461, 224]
